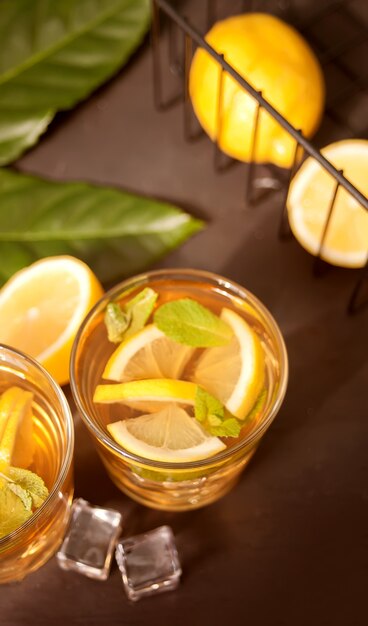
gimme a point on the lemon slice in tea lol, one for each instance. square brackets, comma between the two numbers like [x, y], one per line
[234, 373]
[148, 354]
[170, 435]
[147, 395]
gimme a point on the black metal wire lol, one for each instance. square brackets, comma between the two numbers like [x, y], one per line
[333, 53]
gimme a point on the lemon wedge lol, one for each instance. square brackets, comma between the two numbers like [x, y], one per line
[170, 435]
[42, 307]
[147, 395]
[309, 199]
[234, 373]
[147, 354]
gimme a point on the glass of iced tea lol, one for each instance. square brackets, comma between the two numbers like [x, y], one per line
[177, 374]
[39, 489]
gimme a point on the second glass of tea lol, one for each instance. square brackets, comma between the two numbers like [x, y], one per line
[48, 443]
[176, 423]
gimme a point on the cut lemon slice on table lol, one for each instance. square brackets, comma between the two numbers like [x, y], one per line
[310, 195]
[148, 395]
[234, 373]
[168, 435]
[148, 354]
[42, 307]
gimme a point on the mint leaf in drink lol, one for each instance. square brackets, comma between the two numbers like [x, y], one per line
[30, 482]
[214, 417]
[230, 427]
[139, 309]
[207, 405]
[21, 493]
[188, 322]
[13, 513]
[116, 322]
[123, 322]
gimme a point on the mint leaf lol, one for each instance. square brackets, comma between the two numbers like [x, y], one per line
[23, 494]
[30, 482]
[13, 513]
[123, 322]
[206, 404]
[230, 427]
[116, 322]
[188, 322]
[140, 308]
[22, 491]
[214, 417]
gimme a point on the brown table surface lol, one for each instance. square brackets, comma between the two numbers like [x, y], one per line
[288, 546]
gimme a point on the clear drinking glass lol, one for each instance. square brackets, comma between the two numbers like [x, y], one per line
[32, 544]
[176, 486]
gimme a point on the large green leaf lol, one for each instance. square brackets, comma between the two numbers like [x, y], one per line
[53, 53]
[116, 233]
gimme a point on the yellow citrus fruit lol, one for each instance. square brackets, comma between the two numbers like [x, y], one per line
[274, 58]
[169, 435]
[309, 199]
[16, 429]
[234, 373]
[147, 395]
[147, 354]
[42, 307]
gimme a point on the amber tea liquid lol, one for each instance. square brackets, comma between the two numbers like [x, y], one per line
[31, 545]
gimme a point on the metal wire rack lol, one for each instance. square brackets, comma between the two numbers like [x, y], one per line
[183, 37]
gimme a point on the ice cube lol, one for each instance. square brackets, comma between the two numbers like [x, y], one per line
[149, 563]
[90, 540]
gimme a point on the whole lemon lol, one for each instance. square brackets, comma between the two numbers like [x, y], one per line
[274, 58]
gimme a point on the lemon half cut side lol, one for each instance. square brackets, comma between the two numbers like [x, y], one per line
[42, 307]
[310, 195]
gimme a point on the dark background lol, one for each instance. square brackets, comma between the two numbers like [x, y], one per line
[289, 544]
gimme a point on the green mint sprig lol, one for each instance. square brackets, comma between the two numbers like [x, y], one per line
[123, 322]
[21, 493]
[188, 322]
[214, 417]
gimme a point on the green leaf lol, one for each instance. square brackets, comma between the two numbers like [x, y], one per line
[116, 233]
[23, 494]
[188, 322]
[30, 482]
[206, 404]
[55, 53]
[116, 322]
[12, 511]
[122, 323]
[213, 416]
[230, 427]
[140, 308]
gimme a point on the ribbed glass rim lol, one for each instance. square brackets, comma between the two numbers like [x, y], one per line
[216, 280]
[68, 457]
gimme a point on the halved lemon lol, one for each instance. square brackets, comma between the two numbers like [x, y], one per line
[170, 435]
[147, 354]
[310, 195]
[42, 307]
[148, 395]
[234, 373]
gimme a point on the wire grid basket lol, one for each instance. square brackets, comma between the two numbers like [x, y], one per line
[182, 34]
